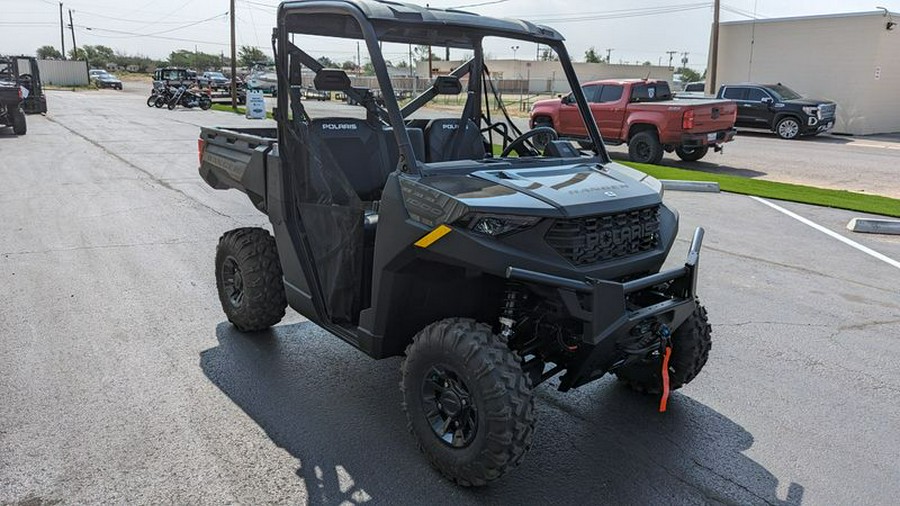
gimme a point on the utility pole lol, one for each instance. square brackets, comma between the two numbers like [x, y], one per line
[233, 61]
[430, 65]
[671, 54]
[447, 54]
[358, 60]
[609, 51]
[714, 56]
[684, 59]
[62, 31]
[74, 44]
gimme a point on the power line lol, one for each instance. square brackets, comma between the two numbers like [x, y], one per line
[129, 35]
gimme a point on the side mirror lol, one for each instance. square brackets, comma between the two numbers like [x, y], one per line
[767, 100]
[296, 75]
[447, 85]
[331, 80]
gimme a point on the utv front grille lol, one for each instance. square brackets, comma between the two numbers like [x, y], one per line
[592, 239]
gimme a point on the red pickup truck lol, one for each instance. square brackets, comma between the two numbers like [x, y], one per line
[641, 113]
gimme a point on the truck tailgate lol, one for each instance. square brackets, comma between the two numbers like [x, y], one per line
[712, 115]
[236, 158]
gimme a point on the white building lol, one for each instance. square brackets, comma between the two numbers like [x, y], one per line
[853, 59]
[547, 76]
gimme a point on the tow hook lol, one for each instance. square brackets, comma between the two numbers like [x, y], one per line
[665, 347]
[718, 148]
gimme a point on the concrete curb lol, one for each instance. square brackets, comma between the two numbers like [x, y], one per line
[690, 186]
[874, 226]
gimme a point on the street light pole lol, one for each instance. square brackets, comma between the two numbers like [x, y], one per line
[233, 62]
[714, 56]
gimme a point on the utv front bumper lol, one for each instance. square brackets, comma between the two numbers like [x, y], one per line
[616, 310]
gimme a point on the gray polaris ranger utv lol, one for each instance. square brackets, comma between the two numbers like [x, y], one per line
[492, 260]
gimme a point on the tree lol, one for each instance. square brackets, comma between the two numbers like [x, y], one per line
[548, 54]
[420, 53]
[591, 56]
[348, 65]
[48, 53]
[402, 64]
[689, 75]
[327, 62]
[247, 55]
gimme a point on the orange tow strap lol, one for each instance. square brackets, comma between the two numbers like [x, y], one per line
[665, 380]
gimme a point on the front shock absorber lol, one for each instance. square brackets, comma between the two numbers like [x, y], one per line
[510, 312]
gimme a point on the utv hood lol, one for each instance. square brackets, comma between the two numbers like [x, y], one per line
[571, 190]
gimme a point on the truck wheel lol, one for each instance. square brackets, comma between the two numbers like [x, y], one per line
[788, 128]
[18, 122]
[467, 400]
[541, 141]
[249, 279]
[690, 350]
[691, 154]
[644, 147]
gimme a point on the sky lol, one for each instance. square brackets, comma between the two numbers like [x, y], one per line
[635, 30]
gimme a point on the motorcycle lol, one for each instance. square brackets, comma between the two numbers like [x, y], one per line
[163, 96]
[187, 98]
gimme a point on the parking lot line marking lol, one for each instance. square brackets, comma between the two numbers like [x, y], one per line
[839, 237]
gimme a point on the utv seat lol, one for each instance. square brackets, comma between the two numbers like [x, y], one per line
[441, 137]
[358, 150]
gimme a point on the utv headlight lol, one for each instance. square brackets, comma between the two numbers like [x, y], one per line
[496, 225]
[811, 110]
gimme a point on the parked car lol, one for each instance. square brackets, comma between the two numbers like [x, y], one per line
[780, 109]
[171, 76]
[107, 80]
[695, 87]
[642, 114]
[214, 81]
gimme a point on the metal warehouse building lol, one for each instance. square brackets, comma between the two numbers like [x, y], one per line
[853, 59]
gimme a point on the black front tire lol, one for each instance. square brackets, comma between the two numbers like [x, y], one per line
[644, 147]
[691, 154]
[691, 343]
[788, 128]
[497, 392]
[20, 127]
[249, 279]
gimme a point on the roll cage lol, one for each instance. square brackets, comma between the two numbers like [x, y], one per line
[384, 21]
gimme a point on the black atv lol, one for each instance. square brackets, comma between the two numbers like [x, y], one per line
[492, 259]
[11, 112]
[24, 71]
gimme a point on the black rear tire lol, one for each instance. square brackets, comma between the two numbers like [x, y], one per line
[691, 154]
[20, 127]
[151, 100]
[644, 147]
[205, 103]
[457, 372]
[691, 343]
[249, 279]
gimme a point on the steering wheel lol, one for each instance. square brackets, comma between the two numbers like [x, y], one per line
[519, 142]
[26, 80]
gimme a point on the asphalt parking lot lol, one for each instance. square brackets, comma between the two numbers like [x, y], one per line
[122, 382]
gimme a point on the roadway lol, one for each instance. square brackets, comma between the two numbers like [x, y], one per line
[122, 382]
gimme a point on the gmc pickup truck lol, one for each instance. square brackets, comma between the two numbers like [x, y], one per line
[780, 109]
[642, 114]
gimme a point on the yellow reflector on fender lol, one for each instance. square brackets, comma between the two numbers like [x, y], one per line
[432, 237]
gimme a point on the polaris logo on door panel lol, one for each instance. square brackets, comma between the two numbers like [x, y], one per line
[449, 126]
[339, 126]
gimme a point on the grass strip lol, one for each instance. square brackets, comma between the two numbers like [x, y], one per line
[240, 110]
[840, 199]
